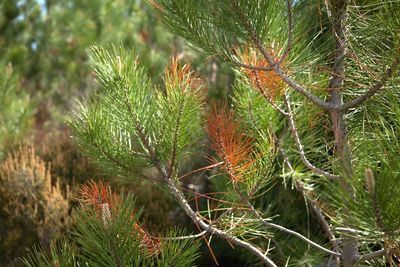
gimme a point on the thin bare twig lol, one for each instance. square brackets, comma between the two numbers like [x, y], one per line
[290, 32]
[200, 169]
[372, 255]
[317, 211]
[281, 228]
[377, 87]
[178, 195]
[291, 232]
[183, 237]
[300, 145]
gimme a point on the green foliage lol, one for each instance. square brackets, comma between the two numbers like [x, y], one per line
[113, 236]
[219, 27]
[222, 28]
[131, 123]
[62, 255]
[256, 115]
[377, 172]
[111, 241]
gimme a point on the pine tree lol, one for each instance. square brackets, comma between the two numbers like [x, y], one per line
[315, 104]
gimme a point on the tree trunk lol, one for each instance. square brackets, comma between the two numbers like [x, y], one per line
[342, 151]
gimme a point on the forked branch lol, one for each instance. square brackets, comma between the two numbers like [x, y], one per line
[180, 198]
[317, 211]
[275, 67]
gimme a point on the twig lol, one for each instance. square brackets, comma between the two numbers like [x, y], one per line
[175, 138]
[290, 34]
[377, 87]
[261, 89]
[339, 26]
[291, 232]
[183, 237]
[178, 195]
[351, 231]
[201, 169]
[251, 67]
[317, 211]
[300, 145]
[180, 198]
[372, 255]
[278, 70]
[281, 228]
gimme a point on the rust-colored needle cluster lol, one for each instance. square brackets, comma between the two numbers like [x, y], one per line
[106, 204]
[234, 148]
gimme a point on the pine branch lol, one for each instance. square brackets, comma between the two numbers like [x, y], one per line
[283, 229]
[377, 87]
[300, 147]
[276, 68]
[234, 149]
[120, 164]
[179, 105]
[180, 198]
[339, 30]
[317, 211]
[178, 195]
[300, 236]
[141, 134]
[261, 89]
[339, 26]
[175, 137]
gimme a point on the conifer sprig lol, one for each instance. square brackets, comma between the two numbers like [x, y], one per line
[109, 233]
[233, 148]
[132, 124]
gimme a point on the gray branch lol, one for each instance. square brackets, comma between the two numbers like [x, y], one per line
[300, 145]
[291, 232]
[377, 87]
[372, 255]
[180, 198]
[277, 69]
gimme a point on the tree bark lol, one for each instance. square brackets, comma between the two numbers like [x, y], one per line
[342, 150]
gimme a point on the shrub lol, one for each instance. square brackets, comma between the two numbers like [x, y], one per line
[34, 206]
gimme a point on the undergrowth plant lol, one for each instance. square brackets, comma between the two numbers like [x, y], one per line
[34, 206]
[315, 106]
